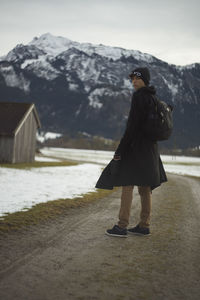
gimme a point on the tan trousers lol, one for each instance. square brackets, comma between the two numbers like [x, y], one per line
[126, 202]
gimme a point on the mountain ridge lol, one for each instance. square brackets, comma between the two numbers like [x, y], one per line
[75, 85]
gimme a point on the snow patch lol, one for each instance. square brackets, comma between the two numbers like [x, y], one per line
[49, 183]
[87, 70]
[21, 52]
[87, 88]
[94, 98]
[187, 67]
[43, 136]
[42, 68]
[73, 87]
[127, 83]
[78, 110]
[46, 159]
[171, 86]
[51, 44]
[180, 159]
[14, 80]
[85, 133]
[113, 52]
[84, 155]
[30, 61]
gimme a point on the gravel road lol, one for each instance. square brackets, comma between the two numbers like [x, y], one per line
[71, 257]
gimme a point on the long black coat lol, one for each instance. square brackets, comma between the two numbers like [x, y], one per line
[140, 162]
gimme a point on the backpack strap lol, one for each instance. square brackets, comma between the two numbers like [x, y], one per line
[155, 102]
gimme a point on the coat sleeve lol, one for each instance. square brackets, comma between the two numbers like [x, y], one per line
[132, 130]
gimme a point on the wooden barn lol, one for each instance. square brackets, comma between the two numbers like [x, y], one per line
[18, 126]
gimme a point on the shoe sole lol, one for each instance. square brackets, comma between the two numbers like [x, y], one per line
[137, 233]
[116, 235]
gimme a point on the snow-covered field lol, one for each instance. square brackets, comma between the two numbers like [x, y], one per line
[21, 189]
[43, 159]
[190, 170]
[172, 164]
[94, 156]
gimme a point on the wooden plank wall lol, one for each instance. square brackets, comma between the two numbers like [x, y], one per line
[25, 141]
[6, 149]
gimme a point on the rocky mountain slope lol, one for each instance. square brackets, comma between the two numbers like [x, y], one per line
[85, 87]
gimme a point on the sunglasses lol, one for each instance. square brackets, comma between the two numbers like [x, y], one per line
[138, 74]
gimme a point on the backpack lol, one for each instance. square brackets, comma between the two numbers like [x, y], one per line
[158, 122]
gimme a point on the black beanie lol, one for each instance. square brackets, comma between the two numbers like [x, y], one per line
[142, 73]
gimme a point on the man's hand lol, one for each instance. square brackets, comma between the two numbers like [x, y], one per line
[117, 157]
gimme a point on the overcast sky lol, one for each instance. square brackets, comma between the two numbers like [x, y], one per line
[167, 29]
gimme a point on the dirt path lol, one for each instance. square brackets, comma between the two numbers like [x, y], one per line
[71, 258]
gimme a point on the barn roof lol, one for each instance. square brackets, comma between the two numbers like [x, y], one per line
[13, 115]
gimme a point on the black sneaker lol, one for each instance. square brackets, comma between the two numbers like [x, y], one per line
[139, 230]
[117, 231]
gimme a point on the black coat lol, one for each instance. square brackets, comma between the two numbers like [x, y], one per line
[140, 162]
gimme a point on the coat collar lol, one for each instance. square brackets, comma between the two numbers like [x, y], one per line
[146, 89]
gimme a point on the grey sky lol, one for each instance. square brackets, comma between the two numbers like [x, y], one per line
[168, 29]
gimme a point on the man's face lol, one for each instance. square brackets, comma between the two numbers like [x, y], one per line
[137, 82]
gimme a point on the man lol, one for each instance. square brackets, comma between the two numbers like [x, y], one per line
[136, 161]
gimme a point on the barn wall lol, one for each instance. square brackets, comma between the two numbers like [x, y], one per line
[25, 141]
[6, 149]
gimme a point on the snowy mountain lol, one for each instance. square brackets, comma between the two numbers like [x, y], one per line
[85, 87]
[55, 45]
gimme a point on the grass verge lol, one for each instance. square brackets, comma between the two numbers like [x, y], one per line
[39, 164]
[181, 163]
[48, 210]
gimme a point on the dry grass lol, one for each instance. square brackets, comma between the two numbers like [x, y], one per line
[39, 164]
[44, 211]
[181, 163]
